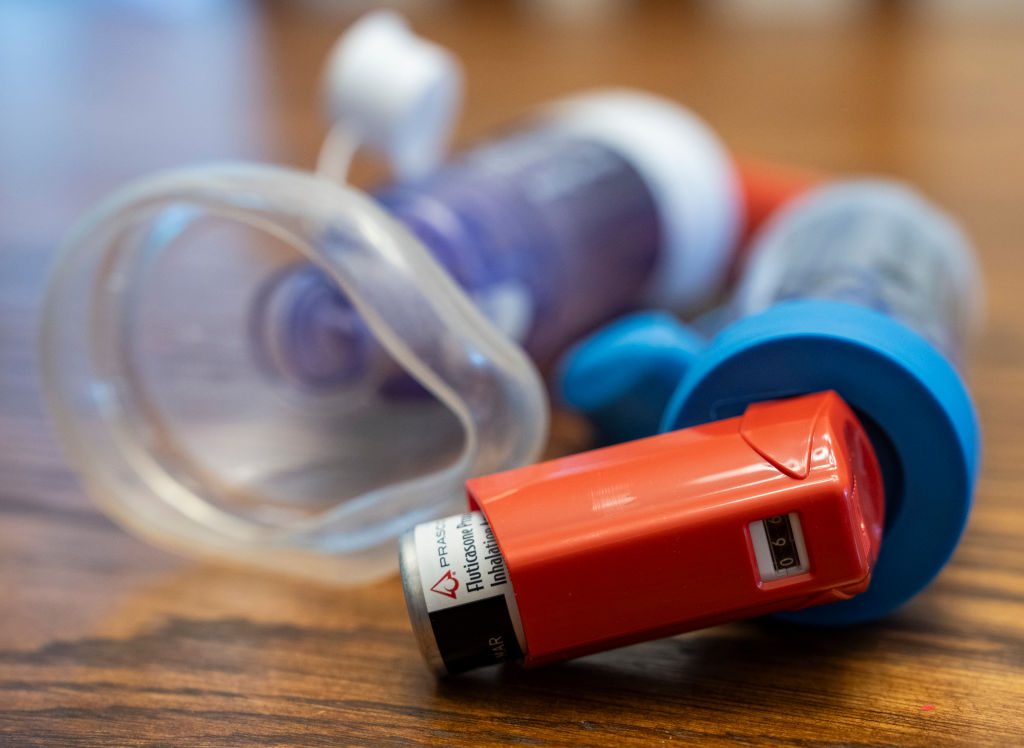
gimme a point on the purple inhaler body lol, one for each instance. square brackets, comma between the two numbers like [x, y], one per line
[549, 233]
[552, 230]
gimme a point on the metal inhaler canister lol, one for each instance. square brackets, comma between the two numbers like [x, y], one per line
[778, 509]
[459, 595]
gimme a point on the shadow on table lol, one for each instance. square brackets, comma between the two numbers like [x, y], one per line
[744, 668]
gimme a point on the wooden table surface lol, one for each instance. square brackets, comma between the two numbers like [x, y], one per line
[107, 641]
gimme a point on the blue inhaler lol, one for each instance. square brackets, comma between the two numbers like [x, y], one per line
[861, 287]
[273, 368]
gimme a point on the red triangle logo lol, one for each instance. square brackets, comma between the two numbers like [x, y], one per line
[446, 585]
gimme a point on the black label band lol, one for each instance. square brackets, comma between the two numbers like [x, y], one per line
[475, 635]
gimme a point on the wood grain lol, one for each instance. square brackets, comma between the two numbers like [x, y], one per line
[106, 641]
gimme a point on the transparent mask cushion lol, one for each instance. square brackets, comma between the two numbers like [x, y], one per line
[108, 380]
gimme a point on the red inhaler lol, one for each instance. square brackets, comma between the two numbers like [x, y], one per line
[775, 510]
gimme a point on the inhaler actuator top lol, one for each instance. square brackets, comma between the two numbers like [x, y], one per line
[266, 366]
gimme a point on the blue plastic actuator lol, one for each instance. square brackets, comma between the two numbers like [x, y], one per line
[863, 288]
[623, 376]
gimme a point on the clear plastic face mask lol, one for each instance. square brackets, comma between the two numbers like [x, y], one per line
[168, 366]
[260, 365]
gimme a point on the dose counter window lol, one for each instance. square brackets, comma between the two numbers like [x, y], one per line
[779, 546]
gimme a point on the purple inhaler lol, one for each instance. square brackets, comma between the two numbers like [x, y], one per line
[160, 313]
[550, 235]
[552, 231]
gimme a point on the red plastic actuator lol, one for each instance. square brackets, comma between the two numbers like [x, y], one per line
[659, 536]
[775, 510]
[766, 187]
